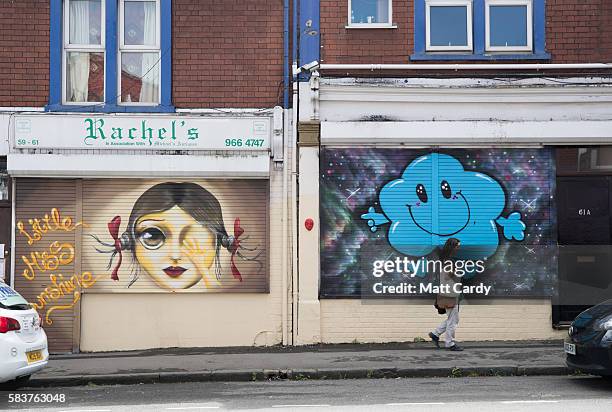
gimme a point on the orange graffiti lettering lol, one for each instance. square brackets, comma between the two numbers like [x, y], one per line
[61, 287]
[58, 254]
[53, 222]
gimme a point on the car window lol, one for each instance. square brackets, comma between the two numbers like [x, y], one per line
[8, 297]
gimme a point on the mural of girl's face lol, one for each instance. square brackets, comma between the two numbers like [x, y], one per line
[174, 249]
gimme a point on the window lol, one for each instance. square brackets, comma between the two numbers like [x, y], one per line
[110, 55]
[83, 51]
[139, 52]
[449, 25]
[508, 25]
[479, 30]
[369, 13]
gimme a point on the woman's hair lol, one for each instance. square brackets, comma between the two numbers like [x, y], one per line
[192, 198]
[449, 249]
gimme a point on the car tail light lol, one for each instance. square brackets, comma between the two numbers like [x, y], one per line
[8, 324]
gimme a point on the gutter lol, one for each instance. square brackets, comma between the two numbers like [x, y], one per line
[466, 66]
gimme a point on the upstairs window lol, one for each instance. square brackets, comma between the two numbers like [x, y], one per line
[369, 13]
[110, 55]
[84, 51]
[139, 53]
[479, 30]
[508, 25]
[449, 25]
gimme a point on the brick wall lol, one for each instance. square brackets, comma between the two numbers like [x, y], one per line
[24, 52]
[577, 31]
[227, 53]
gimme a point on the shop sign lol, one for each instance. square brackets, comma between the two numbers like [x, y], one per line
[140, 133]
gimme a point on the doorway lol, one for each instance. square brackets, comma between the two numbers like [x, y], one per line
[584, 238]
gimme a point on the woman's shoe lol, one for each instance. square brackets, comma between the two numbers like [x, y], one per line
[455, 348]
[435, 339]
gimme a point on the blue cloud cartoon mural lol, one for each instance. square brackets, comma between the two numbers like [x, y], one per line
[435, 199]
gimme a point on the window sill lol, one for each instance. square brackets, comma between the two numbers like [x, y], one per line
[108, 108]
[478, 57]
[371, 26]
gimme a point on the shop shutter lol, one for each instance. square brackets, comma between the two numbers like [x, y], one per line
[240, 200]
[504, 188]
[36, 198]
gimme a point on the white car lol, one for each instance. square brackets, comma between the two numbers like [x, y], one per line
[23, 342]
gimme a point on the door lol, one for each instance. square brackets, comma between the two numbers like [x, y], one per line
[585, 235]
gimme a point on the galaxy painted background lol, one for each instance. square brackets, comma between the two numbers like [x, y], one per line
[351, 180]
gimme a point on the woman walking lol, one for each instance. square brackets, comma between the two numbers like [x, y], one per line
[448, 301]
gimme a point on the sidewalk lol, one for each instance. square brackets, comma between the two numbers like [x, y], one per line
[307, 362]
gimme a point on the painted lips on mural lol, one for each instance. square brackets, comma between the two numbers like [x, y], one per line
[436, 199]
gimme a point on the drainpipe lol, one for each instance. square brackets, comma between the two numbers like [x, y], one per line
[286, 54]
[295, 32]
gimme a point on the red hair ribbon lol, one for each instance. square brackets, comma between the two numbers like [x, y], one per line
[113, 229]
[238, 231]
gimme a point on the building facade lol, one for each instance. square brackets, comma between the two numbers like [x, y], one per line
[421, 120]
[146, 161]
[166, 182]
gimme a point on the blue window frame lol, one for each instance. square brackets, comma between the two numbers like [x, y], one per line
[479, 30]
[128, 67]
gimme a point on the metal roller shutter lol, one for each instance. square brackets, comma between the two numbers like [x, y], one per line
[173, 236]
[379, 204]
[245, 201]
[36, 264]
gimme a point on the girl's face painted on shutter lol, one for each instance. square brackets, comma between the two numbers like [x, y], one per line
[174, 249]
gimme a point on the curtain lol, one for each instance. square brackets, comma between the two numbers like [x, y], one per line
[150, 81]
[78, 82]
[382, 11]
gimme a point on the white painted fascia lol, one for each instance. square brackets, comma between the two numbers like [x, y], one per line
[466, 90]
[466, 133]
[138, 166]
[229, 112]
[465, 81]
[424, 99]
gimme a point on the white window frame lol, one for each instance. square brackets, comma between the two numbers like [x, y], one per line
[387, 25]
[91, 48]
[469, 24]
[138, 49]
[529, 5]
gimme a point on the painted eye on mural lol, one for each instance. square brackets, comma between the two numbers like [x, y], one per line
[152, 238]
[446, 189]
[421, 193]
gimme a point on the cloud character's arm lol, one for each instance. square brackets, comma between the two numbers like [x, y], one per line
[374, 219]
[513, 226]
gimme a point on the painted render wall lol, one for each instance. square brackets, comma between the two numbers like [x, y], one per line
[344, 320]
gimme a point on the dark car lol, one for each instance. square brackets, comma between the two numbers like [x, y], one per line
[589, 348]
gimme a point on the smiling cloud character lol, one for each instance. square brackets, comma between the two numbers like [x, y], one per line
[436, 199]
